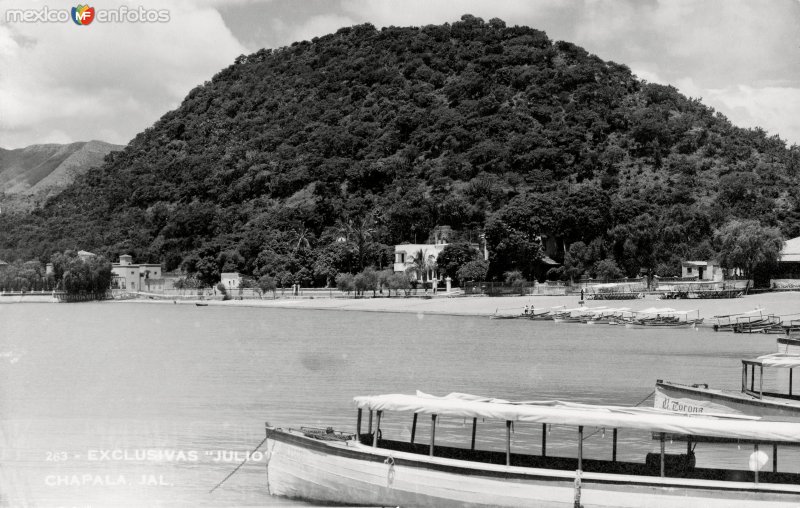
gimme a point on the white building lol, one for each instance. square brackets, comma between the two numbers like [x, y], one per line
[703, 270]
[231, 280]
[136, 277]
[404, 255]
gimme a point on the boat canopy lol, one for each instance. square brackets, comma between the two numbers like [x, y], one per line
[745, 428]
[784, 360]
[656, 310]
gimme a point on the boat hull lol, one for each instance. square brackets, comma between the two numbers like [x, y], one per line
[357, 475]
[691, 399]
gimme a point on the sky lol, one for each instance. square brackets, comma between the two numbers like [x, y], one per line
[62, 82]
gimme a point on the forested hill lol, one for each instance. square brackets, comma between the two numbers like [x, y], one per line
[314, 158]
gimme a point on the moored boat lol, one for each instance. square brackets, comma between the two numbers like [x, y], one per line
[576, 315]
[752, 399]
[665, 318]
[726, 322]
[371, 468]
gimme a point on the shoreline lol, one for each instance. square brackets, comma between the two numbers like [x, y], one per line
[785, 304]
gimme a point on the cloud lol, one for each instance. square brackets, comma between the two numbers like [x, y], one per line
[317, 26]
[113, 81]
[748, 106]
[63, 82]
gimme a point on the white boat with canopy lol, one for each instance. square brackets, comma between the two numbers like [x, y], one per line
[368, 468]
[753, 399]
[664, 317]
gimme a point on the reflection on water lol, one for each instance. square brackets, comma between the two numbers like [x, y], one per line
[114, 404]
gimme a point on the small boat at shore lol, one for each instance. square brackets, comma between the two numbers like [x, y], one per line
[727, 322]
[374, 469]
[665, 318]
[753, 399]
[547, 315]
[576, 315]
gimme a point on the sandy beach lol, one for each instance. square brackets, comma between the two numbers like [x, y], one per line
[785, 304]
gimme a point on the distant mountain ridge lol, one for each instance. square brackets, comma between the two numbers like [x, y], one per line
[38, 171]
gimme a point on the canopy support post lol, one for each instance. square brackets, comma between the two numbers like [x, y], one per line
[580, 447]
[753, 378]
[614, 447]
[433, 432]
[358, 423]
[508, 442]
[790, 381]
[761, 382]
[369, 426]
[774, 458]
[744, 377]
[755, 469]
[474, 428]
[377, 430]
[544, 440]
[414, 428]
[662, 454]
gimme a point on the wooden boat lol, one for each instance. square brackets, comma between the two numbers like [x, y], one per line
[726, 322]
[606, 316]
[762, 324]
[507, 316]
[789, 344]
[665, 318]
[547, 315]
[576, 315]
[372, 469]
[201, 304]
[753, 399]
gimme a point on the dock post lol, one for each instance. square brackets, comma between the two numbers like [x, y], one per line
[358, 424]
[414, 428]
[544, 440]
[474, 427]
[662, 454]
[614, 447]
[508, 442]
[580, 447]
[377, 430]
[433, 432]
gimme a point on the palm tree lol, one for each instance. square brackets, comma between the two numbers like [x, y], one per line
[419, 266]
[300, 238]
[360, 232]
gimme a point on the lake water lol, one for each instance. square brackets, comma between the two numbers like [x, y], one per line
[115, 404]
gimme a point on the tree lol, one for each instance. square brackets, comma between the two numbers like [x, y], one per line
[267, 283]
[367, 280]
[608, 269]
[454, 256]
[746, 244]
[419, 266]
[473, 271]
[399, 281]
[223, 290]
[345, 282]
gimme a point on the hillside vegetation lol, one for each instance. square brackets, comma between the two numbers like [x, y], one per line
[315, 159]
[32, 174]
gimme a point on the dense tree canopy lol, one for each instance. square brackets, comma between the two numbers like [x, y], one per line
[308, 161]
